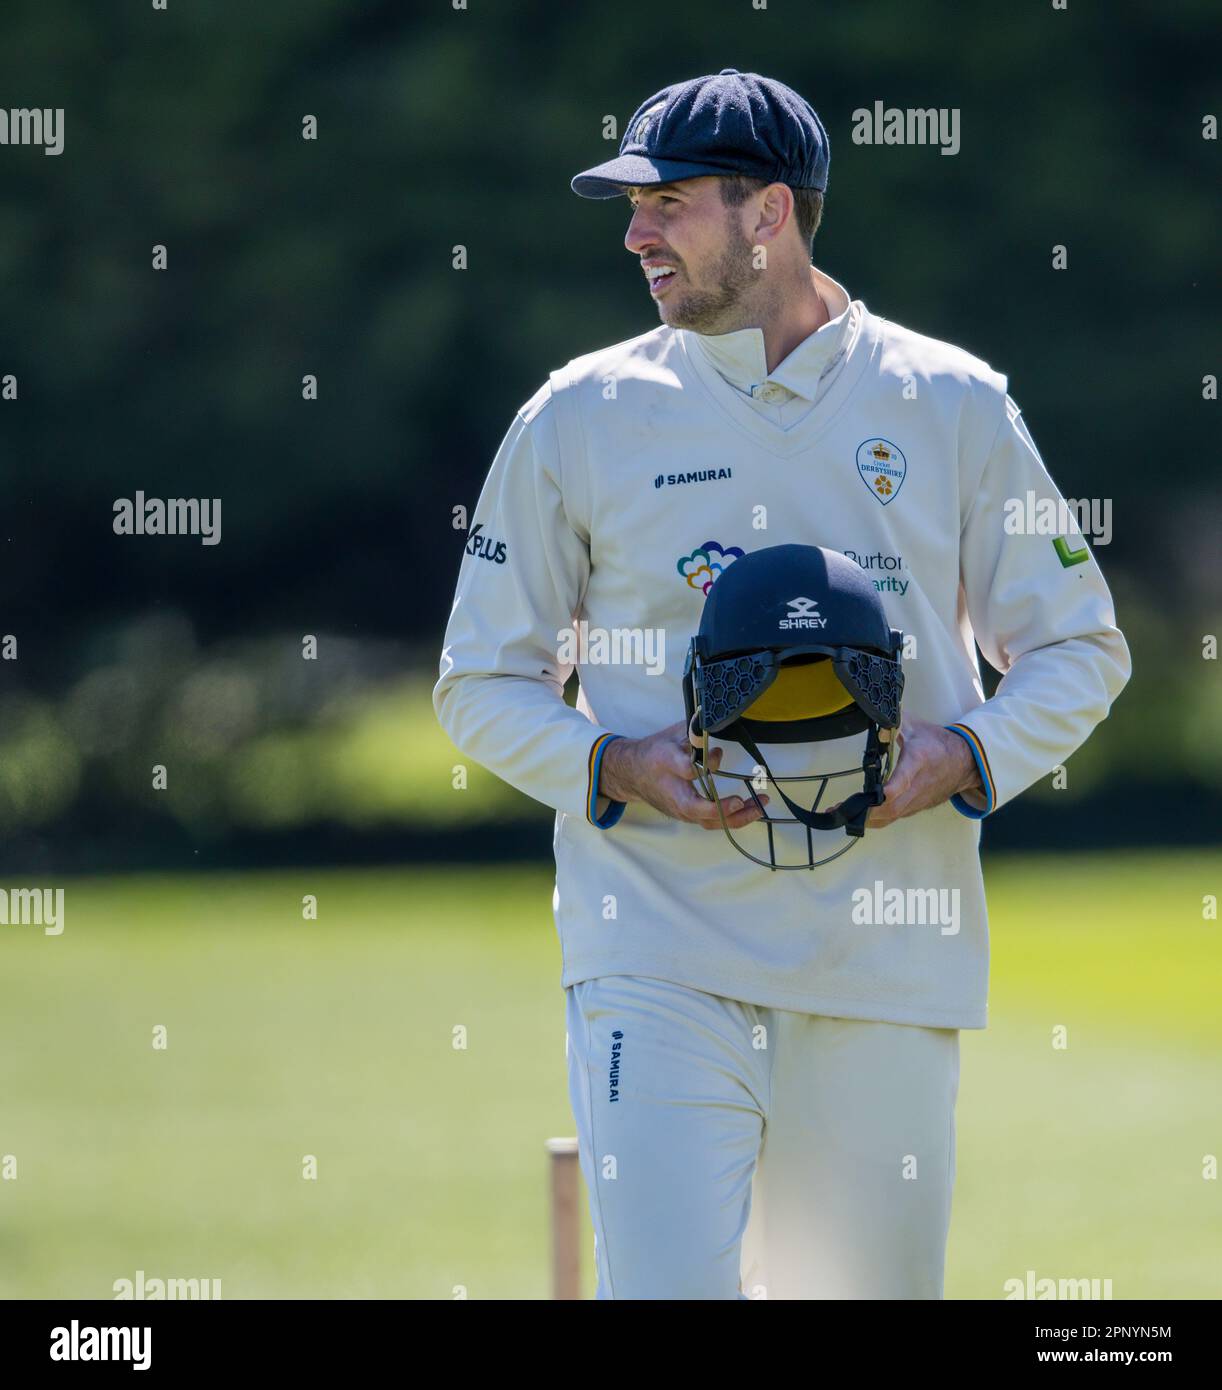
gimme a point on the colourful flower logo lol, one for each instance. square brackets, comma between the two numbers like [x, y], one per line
[702, 566]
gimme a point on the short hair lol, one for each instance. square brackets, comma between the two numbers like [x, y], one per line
[807, 202]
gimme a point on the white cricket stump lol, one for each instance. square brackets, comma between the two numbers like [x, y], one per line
[565, 1182]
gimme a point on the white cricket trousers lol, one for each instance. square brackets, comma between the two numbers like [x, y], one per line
[734, 1151]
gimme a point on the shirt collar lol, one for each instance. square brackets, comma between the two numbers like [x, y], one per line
[739, 356]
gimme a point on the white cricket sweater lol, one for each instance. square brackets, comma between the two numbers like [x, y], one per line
[620, 490]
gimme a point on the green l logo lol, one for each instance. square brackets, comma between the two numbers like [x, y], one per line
[1069, 557]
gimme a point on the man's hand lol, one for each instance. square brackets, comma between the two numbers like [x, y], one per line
[933, 766]
[658, 770]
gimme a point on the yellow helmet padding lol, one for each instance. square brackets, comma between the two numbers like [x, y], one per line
[803, 690]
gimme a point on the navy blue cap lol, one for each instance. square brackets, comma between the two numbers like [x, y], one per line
[734, 123]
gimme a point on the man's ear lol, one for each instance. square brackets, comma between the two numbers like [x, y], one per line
[776, 212]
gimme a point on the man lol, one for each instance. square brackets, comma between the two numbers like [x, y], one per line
[763, 1077]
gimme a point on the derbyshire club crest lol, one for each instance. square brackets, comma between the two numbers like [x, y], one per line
[882, 467]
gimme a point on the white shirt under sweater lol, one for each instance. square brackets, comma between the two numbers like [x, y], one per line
[788, 393]
[621, 489]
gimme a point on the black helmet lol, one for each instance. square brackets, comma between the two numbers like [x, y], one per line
[794, 647]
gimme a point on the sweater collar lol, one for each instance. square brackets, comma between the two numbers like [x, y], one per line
[739, 357]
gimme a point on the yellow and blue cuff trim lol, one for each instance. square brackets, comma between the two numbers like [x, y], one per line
[972, 739]
[616, 808]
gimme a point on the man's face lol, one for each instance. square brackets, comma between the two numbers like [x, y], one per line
[708, 282]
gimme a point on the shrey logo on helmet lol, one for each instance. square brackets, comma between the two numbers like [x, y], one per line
[803, 612]
[766, 667]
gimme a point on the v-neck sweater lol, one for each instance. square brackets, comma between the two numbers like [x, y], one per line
[633, 478]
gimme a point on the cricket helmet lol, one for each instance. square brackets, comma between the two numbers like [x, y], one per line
[794, 648]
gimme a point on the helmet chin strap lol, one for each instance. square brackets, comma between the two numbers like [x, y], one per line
[852, 812]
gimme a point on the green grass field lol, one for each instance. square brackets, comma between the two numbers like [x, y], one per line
[333, 1038]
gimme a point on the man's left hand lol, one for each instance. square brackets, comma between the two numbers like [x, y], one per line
[933, 766]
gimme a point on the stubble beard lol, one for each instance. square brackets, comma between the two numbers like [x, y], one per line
[734, 304]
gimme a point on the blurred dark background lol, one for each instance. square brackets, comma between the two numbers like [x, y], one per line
[440, 128]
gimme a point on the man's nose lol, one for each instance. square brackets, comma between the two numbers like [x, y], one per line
[641, 233]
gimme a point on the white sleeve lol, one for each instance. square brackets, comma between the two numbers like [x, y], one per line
[525, 567]
[1041, 614]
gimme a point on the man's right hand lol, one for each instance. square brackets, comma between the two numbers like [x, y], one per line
[659, 771]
